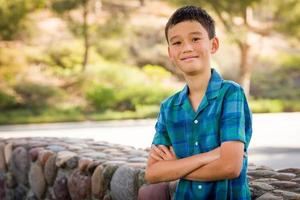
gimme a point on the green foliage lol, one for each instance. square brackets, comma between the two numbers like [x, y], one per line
[112, 49]
[7, 101]
[44, 115]
[12, 61]
[279, 83]
[35, 95]
[13, 15]
[121, 87]
[127, 98]
[156, 72]
[60, 6]
[274, 105]
[101, 97]
[65, 59]
[288, 17]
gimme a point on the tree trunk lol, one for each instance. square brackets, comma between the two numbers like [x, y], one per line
[142, 2]
[245, 67]
[86, 36]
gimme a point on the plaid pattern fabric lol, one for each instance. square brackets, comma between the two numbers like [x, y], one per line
[223, 115]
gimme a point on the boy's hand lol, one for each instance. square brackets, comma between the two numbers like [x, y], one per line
[162, 152]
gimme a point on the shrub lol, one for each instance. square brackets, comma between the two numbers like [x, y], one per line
[36, 95]
[101, 97]
[64, 60]
[7, 101]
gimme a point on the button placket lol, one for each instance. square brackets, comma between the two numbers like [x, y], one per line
[195, 138]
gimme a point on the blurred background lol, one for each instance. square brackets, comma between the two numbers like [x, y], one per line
[91, 60]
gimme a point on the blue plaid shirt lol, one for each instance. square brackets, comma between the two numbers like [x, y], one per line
[223, 115]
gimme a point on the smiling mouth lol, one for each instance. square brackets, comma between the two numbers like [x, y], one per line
[188, 58]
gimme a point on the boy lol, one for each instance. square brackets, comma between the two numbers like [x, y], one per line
[202, 132]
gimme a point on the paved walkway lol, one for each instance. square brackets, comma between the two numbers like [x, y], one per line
[275, 141]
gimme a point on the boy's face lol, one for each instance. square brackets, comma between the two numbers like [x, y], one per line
[190, 47]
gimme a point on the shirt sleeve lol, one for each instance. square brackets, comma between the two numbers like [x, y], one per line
[232, 127]
[161, 136]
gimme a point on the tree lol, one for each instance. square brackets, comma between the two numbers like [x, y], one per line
[63, 6]
[13, 15]
[239, 22]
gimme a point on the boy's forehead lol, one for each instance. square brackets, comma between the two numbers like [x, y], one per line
[186, 27]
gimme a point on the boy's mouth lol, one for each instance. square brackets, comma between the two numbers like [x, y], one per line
[188, 58]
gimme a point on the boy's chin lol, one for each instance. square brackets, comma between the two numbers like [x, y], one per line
[193, 72]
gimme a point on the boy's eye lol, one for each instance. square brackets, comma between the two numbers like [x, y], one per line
[196, 39]
[176, 43]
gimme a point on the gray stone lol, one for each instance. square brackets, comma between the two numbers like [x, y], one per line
[269, 196]
[141, 178]
[261, 186]
[50, 169]
[83, 163]
[20, 192]
[116, 163]
[56, 148]
[262, 173]
[108, 173]
[284, 176]
[79, 186]
[291, 170]
[63, 157]
[124, 184]
[72, 162]
[2, 158]
[287, 194]
[285, 184]
[10, 180]
[95, 155]
[138, 159]
[97, 183]
[263, 167]
[2, 185]
[265, 180]
[92, 166]
[297, 180]
[19, 165]
[137, 165]
[43, 156]
[34, 153]
[8, 152]
[60, 188]
[36, 180]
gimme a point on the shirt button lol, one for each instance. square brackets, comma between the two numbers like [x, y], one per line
[196, 143]
[196, 121]
[199, 187]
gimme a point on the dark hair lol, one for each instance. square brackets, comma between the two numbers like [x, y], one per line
[192, 13]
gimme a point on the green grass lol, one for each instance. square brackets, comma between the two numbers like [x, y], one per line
[274, 105]
[48, 115]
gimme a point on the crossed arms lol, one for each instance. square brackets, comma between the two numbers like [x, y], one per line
[224, 162]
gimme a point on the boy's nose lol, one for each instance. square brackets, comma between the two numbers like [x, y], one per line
[187, 47]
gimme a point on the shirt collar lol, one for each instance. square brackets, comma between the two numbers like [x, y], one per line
[212, 91]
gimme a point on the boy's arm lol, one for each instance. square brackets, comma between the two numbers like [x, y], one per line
[228, 166]
[164, 166]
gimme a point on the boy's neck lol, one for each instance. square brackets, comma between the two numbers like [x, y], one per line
[198, 83]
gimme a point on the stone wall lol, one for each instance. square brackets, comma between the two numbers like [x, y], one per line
[79, 169]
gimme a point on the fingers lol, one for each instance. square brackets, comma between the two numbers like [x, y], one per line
[162, 152]
[158, 151]
[165, 150]
[155, 156]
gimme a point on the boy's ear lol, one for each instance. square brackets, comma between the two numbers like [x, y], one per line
[214, 45]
